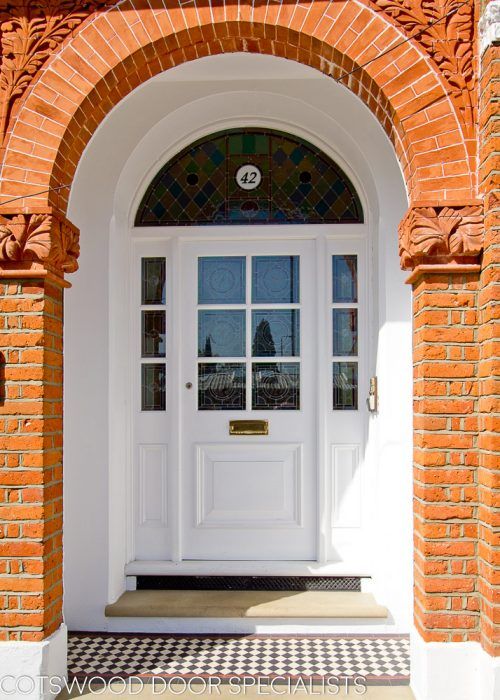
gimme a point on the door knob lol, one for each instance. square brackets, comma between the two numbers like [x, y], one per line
[189, 385]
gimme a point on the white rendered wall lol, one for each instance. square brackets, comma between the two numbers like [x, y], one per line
[139, 135]
[34, 670]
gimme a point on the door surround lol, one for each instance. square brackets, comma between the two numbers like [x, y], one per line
[294, 103]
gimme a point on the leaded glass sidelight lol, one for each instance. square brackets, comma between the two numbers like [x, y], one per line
[345, 332]
[250, 176]
[153, 334]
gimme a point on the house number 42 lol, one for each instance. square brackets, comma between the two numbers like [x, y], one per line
[248, 177]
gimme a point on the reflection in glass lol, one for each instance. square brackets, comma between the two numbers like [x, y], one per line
[345, 386]
[153, 387]
[276, 333]
[275, 386]
[221, 333]
[221, 280]
[153, 281]
[345, 274]
[153, 334]
[275, 279]
[221, 386]
[345, 331]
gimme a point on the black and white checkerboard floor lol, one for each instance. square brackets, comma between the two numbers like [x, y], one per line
[375, 657]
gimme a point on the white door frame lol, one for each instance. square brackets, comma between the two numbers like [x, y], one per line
[156, 239]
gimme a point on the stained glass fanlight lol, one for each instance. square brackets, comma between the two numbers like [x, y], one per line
[210, 183]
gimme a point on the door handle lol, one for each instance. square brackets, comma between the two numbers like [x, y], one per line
[372, 400]
[189, 385]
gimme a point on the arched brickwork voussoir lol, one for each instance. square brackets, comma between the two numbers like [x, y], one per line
[118, 50]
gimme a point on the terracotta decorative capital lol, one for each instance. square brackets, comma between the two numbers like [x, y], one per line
[438, 234]
[38, 240]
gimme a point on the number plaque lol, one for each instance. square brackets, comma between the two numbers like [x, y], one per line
[248, 177]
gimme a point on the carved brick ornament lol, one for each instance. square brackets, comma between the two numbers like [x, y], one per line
[441, 235]
[31, 240]
[30, 31]
[445, 28]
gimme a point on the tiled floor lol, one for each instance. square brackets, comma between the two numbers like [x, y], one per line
[377, 658]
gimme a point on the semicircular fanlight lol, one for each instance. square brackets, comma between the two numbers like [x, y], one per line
[249, 176]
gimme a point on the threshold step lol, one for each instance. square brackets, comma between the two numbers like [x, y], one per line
[263, 604]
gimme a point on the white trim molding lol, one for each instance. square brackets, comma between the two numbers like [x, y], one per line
[34, 670]
[489, 25]
[471, 674]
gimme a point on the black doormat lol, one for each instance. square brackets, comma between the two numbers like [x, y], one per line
[249, 583]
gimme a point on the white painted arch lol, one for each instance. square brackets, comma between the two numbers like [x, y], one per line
[141, 133]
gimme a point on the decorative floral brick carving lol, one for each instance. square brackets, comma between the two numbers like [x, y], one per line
[449, 42]
[437, 234]
[46, 238]
[30, 31]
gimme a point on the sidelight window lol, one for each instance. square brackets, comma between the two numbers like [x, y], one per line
[345, 332]
[153, 334]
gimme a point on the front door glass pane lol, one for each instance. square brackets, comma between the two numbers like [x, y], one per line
[221, 280]
[276, 333]
[221, 334]
[275, 279]
[270, 305]
[221, 386]
[275, 385]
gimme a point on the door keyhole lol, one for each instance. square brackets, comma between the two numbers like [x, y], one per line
[189, 385]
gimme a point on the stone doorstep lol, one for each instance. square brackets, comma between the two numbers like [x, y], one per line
[254, 604]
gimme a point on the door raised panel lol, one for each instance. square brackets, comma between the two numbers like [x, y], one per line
[346, 481]
[256, 486]
[153, 485]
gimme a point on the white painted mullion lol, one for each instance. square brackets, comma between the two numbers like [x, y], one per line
[249, 307]
[322, 365]
[176, 404]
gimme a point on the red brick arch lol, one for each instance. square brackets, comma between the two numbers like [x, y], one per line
[115, 51]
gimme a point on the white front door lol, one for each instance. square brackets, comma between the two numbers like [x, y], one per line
[248, 319]
[250, 326]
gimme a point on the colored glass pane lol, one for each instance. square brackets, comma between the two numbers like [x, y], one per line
[299, 184]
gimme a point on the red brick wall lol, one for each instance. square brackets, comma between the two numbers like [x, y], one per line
[31, 360]
[489, 368]
[120, 49]
[430, 123]
[445, 456]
